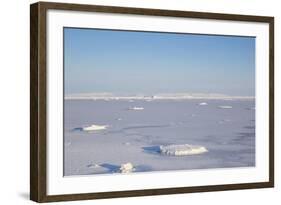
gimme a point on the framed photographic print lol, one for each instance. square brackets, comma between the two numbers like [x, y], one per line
[134, 102]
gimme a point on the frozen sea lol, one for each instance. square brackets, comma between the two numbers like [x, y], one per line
[226, 128]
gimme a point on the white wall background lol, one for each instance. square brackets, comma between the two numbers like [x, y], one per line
[14, 101]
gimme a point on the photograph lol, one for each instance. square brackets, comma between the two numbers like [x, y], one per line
[142, 101]
[139, 101]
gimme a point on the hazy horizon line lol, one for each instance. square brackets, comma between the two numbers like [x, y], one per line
[170, 95]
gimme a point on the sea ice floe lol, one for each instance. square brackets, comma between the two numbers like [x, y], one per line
[95, 128]
[203, 103]
[225, 107]
[126, 168]
[182, 149]
[136, 108]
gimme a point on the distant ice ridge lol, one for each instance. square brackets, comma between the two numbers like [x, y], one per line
[95, 128]
[160, 96]
[182, 149]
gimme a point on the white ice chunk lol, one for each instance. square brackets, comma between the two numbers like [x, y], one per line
[127, 168]
[95, 127]
[92, 166]
[203, 103]
[136, 108]
[225, 107]
[182, 149]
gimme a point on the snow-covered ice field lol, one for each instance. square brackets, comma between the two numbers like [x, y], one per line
[123, 136]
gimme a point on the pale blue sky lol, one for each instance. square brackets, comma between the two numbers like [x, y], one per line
[130, 62]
